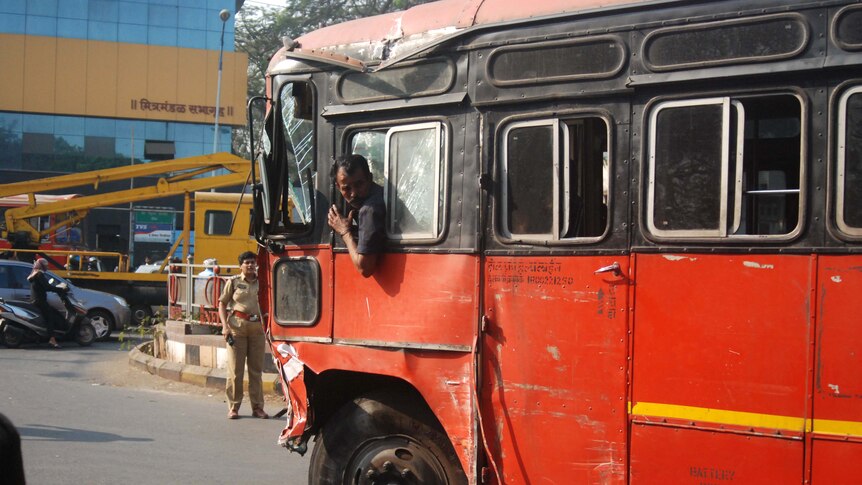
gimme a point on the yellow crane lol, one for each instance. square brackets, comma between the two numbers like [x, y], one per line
[180, 176]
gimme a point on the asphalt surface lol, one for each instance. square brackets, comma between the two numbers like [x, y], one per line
[86, 416]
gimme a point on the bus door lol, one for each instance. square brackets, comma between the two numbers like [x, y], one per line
[553, 353]
[722, 323]
[291, 211]
[837, 426]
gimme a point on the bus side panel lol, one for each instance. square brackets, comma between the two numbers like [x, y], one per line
[322, 327]
[425, 299]
[721, 342]
[553, 384]
[662, 454]
[835, 462]
[838, 367]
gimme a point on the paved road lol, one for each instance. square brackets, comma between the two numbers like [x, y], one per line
[85, 416]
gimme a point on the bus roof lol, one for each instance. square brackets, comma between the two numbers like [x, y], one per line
[404, 33]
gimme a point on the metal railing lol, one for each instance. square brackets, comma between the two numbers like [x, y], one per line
[193, 293]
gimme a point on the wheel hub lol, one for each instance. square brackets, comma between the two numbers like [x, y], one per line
[393, 460]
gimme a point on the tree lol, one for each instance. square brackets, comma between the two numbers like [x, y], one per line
[259, 31]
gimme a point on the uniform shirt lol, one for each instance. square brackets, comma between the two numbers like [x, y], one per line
[371, 222]
[240, 295]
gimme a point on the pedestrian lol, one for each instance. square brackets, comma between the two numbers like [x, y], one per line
[39, 288]
[239, 312]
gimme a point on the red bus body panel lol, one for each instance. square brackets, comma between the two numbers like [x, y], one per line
[415, 299]
[554, 369]
[721, 343]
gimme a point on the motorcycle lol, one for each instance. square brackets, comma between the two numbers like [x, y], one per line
[23, 322]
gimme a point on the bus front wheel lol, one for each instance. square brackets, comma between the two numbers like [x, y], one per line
[384, 438]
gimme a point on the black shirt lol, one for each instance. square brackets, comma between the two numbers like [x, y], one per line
[371, 221]
[39, 288]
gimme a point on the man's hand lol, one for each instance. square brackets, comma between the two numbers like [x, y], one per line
[341, 225]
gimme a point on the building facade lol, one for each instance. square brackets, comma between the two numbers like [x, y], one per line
[89, 84]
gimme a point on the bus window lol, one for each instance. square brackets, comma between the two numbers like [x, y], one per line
[849, 169]
[725, 167]
[555, 180]
[297, 291]
[412, 176]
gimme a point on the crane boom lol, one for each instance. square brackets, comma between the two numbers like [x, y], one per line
[180, 178]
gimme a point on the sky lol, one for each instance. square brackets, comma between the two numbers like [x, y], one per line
[263, 3]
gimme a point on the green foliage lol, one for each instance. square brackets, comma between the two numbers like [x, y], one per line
[132, 336]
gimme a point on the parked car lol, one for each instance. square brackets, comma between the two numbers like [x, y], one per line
[102, 308]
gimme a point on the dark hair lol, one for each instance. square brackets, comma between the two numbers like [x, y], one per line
[247, 255]
[350, 164]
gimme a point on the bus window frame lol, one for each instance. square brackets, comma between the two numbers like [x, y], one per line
[315, 265]
[649, 149]
[292, 230]
[840, 159]
[561, 153]
[443, 161]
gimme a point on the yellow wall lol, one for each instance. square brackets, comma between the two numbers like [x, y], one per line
[93, 78]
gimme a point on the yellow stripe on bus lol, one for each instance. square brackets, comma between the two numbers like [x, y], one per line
[720, 416]
[750, 420]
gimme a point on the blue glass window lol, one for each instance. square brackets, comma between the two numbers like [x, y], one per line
[214, 39]
[47, 8]
[100, 127]
[71, 28]
[157, 130]
[12, 23]
[38, 124]
[68, 125]
[163, 16]
[37, 25]
[131, 129]
[188, 149]
[102, 31]
[13, 6]
[68, 143]
[192, 18]
[163, 36]
[133, 13]
[132, 34]
[192, 39]
[189, 132]
[73, 9]
[104, 10]
[11, 122]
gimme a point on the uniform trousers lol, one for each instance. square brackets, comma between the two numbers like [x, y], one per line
[248, 349]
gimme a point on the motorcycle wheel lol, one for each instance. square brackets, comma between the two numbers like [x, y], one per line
[12, 340]
[85, 335]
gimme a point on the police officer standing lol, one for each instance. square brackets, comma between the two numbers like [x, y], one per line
[239, 312]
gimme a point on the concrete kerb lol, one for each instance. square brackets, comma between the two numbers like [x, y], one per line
[141, 358]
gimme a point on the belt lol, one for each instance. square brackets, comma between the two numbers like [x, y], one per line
[246, 316]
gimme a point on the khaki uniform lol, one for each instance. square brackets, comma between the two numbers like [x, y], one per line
[240, 295]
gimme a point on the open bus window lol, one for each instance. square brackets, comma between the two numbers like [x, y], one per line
[849, 167]
[409, 162]
[725, 167]
[555, 181]
[287, 173]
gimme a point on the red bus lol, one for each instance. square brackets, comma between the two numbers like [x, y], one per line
[623, 243]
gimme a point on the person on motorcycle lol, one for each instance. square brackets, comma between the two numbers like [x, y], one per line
[39, 288]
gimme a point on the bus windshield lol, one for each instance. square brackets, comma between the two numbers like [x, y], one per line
[297, 150]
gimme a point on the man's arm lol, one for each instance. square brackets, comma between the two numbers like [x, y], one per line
[364, 263]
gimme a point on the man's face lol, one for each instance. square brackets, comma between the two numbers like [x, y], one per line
[354, 187]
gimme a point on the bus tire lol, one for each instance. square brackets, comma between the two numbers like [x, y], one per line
[383, 438]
